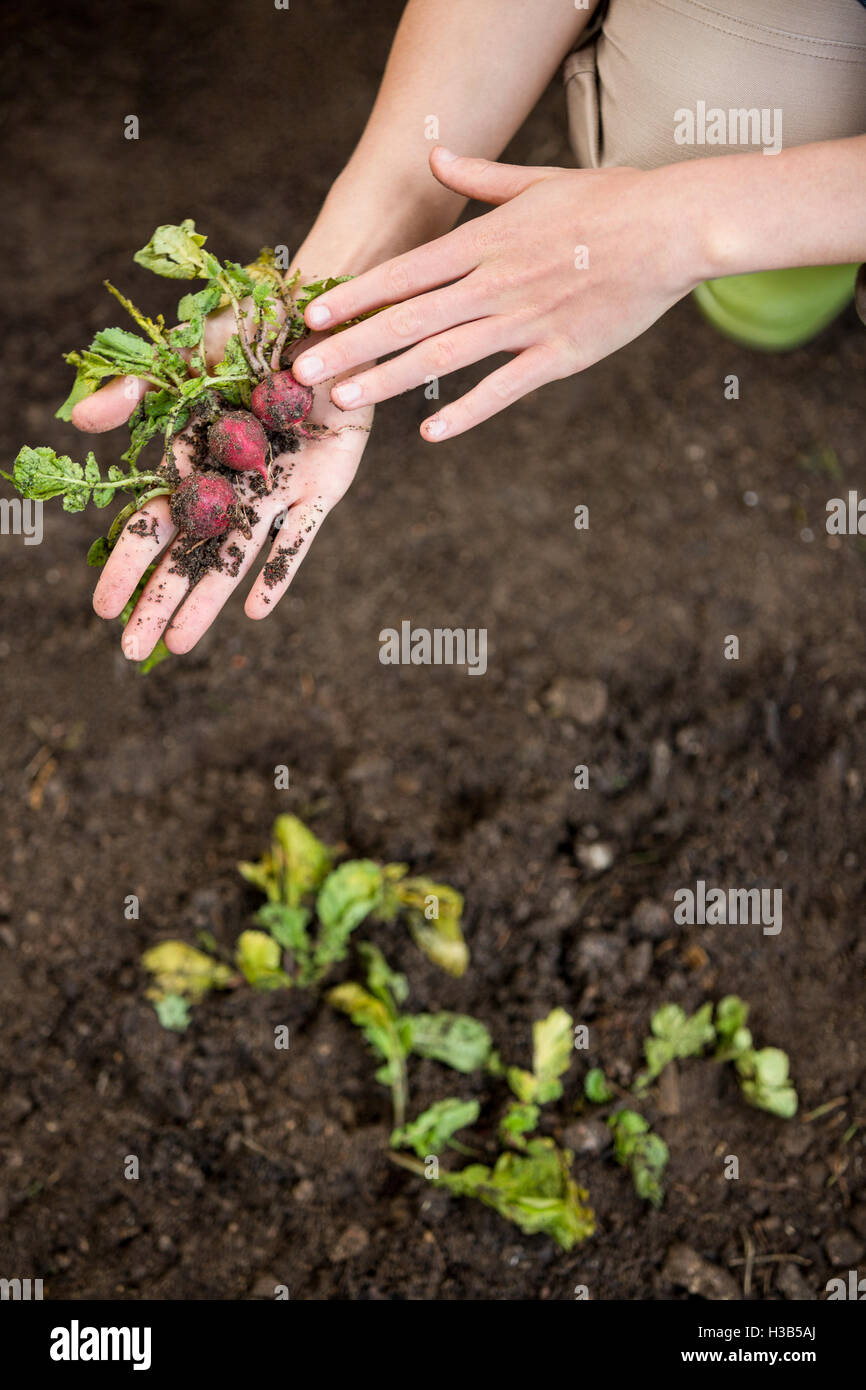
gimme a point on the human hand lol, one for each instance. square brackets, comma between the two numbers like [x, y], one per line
[309, 483]
[570, 266]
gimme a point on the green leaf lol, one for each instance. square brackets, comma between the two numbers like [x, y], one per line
[175, 251]
[152, 416]
[172, 1010]
[113, 352]
[643, 1152]
[287, 925]
[533, 1189]
[519, 1119]
[348, 895]
[675, 1034]
[199, 305]
[732, 1036]
[259, 958]
[596, 1087]
[457, 1040]
[387, 984]
[431, 1131]
[181, 969]
[765, 1082]
[312, 291]
[98, 552]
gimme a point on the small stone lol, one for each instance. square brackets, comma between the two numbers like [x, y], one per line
[352, 1242]
[584, 701]
[651, 919]
[596, 952]
[793, 1285]
[687, 1269]
[638, 962]
[844, 1248]
[587, 1136]
[857, 1217]
[796, 1140]
[303, 1191]
[595, 858]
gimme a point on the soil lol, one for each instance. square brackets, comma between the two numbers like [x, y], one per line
[605, 648]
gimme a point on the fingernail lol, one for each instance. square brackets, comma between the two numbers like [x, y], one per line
[309, 368]
[435, 428]
[445, 155]
[318, 315]
[347, 393]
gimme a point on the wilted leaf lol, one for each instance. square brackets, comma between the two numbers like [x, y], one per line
[552, 1051]
[433, 914]
[377, 1022]
[175, 251]
[533, 1189]
[181, 969]
[457, 1040]
[259, 958]
[293, 868]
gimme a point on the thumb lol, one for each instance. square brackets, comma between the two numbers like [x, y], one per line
[110, 406]
[483, 179]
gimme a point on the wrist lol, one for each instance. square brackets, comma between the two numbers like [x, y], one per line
[360, 224]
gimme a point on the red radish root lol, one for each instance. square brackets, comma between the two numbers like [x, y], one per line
[281, 402]
[238, 441]
[203, 506]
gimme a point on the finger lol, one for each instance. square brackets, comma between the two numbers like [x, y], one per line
[526, 372]
[110, 406]
[163, 592]
[144, 537]
[483, 179]
[296, 535]
[430, 359]
[403, 277]
[152, 530]
[393, 329]
[210, 595]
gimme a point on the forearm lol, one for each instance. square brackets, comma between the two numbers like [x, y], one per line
[750, 212]
[477, 68]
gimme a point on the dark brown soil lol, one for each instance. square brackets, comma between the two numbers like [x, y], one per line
[260, 1166]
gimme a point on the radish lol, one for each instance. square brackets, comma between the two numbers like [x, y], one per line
[281, 402]
[238, 441]
[203, 506]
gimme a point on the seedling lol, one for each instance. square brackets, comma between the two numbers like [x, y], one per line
[304, 928]
[644, 1153]
[307, 926]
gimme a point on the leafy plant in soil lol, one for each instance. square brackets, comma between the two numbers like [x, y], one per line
[306, 927]
[240, 414]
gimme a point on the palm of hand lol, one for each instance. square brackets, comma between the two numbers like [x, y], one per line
[307, 484]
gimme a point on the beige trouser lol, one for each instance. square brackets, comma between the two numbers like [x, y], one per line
[656, 81]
